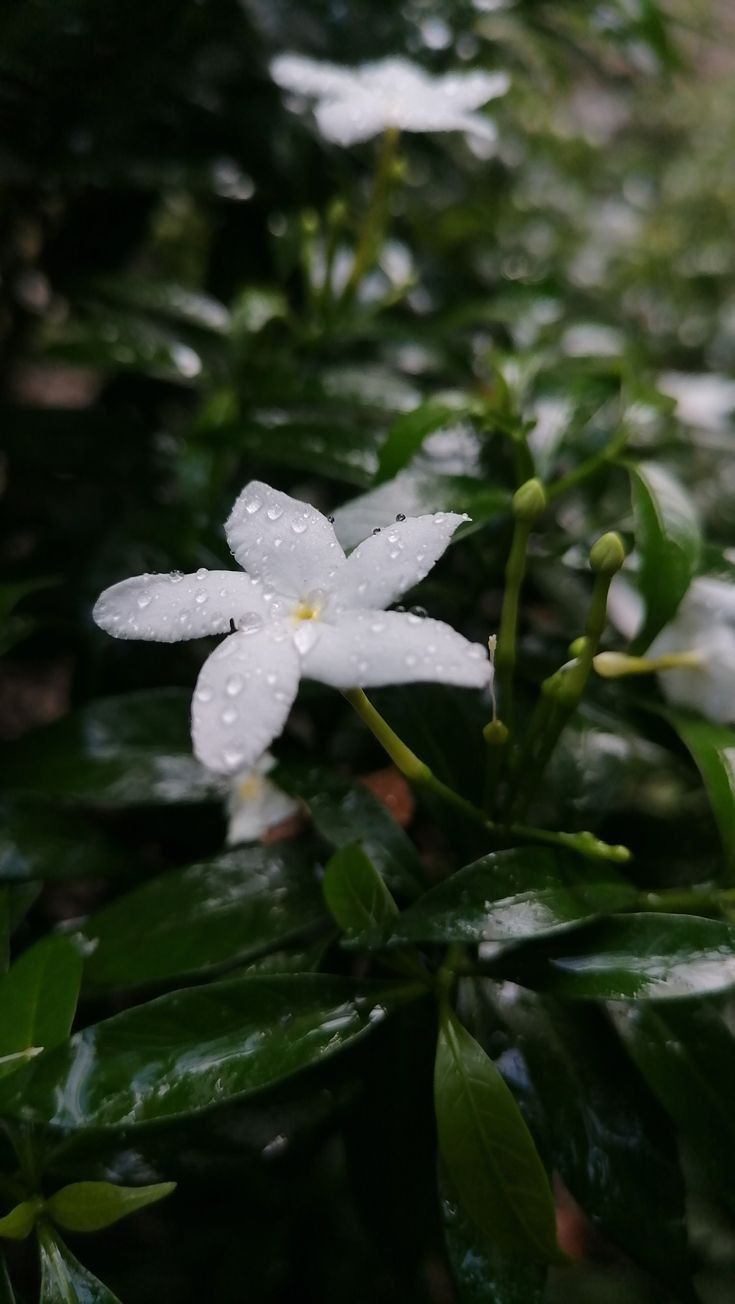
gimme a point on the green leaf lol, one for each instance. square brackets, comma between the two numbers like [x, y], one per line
[509, 895]
[407, 434]
[345, 813]
[482, 1274]
[193, 1049]
[19, 1223]
[669, 543]
[63, 1278]
[165, 299]
[355, 893]
[712, 747]
[221, 911]
[634, 957]
[7, 1294]
[685, 1050]
[90, 1206]
[38, 998]
[40, 842]
[129, 750]
[488, 1151]
[604, 1133]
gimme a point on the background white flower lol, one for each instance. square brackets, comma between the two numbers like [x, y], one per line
[255, 804]
[704, 623]
[303, 609]
[353, 104]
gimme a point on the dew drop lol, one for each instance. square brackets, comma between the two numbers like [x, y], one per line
[253, 506]
[401, 516]
[418, 611]
[204, 694]
[331, 520]
[410, 661]
[362, 588]
[362, 667]
[376, 530]
[250, 623]
[184, 618]
[393, 536]
[202, 573]
[394, 554]
[274, 511]
[229, 715]
[145, 600]
[176, 576]
[400, 609]
[232, 756]
[200, 597]
[299, 525]
[271, 679]
[439, 518]
[234, 685]
[377, 627]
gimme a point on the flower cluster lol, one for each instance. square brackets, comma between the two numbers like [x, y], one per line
[301, 609]
[354, 104]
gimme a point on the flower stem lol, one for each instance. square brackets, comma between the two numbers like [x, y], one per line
[418, 772]
[528, 503]
[373, 223]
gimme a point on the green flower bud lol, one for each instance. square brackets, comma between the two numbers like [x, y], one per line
[608, 554]
[495, 733]
[577, 647]
[529, 501]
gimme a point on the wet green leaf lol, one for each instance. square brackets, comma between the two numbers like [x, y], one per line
[355, 893]
[193, 1049]
[129, 750]
[669, 543]
[19, 1223]
[64, 1280]
[406, 436]
[635, 957]
[488, 1151]
[38, 841]
[712, 747]
[225, 910]
[482, 1274]
[685, 1050]
[38, 999]
[509, 895]
[90, 1206]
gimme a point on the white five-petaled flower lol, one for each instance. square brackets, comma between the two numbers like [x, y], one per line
[704, 625]
[353, 104]
[256, 804]
[302, 609]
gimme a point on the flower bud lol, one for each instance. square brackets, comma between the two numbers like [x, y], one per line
[608, 554]
[577, 647]
[495, 733]
[529, 501]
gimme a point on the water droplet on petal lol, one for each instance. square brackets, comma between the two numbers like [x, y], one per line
[418, 611]
[229, 715]
[274, 511]
[439, 517]
[410, 661]
[401, 516]
[202, 573]
[271, 678]
[250, 623]
[232, 756]
[393, 536]
[377, 627]
[145, 600]
[394, 553]
[253, 506]
[176, 576]
[361, 588]
[204, 694]
[234, 685]
[299, 525]
[201, 597]
[376, 530]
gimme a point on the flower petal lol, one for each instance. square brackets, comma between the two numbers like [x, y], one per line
[303, 76]
[367, 649]
[255, 805]
[470, 90]
[168, 608]
[385, 564]
[243, 696]
[347, 120]
[287, 544]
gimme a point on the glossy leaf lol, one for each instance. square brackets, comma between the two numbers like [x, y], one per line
[603, 1132]
[483, 1275]
[64, 1280]
[509, 895]
[668, 541]
[129, 750]
[193, 1049]
[90, 1206]
[38, 998]
[406, 436]
[345, 813]
[712, 747]
[635, 957]
[355, 893]
[221, 911]
[685, 1050]
[40, 842]
[488, 1151]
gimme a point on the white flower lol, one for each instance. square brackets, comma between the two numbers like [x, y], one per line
[303, 609]
[353, 104]
[255, 804]
[704, 624]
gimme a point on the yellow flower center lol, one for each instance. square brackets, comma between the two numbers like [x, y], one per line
[250, 787]
[305, 611]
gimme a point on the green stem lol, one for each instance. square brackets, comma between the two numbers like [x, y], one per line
[374, 221]
[588, 467]
[505, 652]
[418, 772]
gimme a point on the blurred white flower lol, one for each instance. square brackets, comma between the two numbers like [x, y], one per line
[255, 804]
[303, 609]
[704, 401]
[354, 104]
[705, 625]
